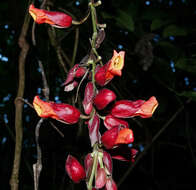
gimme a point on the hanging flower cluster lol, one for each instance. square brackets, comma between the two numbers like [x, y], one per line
[113, 143]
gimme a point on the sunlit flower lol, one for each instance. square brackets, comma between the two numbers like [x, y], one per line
[56, 19]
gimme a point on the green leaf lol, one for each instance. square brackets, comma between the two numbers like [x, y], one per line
[173, 30]
[170, 50]
[158, 23]
[125, 20]
[185, 64]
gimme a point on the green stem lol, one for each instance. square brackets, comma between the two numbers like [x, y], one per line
[95, 162]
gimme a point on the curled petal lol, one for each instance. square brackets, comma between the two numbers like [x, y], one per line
[100, 180]
[75, 71]
[111, 122]
[74, 169]
[88, 97]
[116, 64]
[100, 75]
[64, 112]
[56, 19]
[125, 136]
[103, 98]
[148, 108]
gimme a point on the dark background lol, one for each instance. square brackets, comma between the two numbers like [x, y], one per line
[160, 42]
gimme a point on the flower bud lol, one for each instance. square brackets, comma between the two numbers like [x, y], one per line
[103, 98]
[127, 108]
[110, 184]
[111, 122]
[88, 162]
[100, 178]
[74, 169]
[56, 19]
[88, 96]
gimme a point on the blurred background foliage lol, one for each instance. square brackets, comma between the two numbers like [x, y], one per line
[160, 43]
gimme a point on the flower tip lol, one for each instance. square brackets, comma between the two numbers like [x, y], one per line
[149, 107]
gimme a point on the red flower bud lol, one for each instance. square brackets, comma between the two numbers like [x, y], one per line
[56, 19]
[125, 136]
[75, 71]
[116, 136]
[100, 178]
[109, 137]
[74, 169]
[107, 160]
[88, 162]
[110, 184]
[88, 96]
[64, 112]
[103, 98]
[127, 108]
[111, 122]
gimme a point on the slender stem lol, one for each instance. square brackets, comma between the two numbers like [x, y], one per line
[75, 46]
[95, 162]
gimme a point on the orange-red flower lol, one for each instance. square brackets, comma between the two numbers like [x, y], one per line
[56, 19]
[64, 112]
[127, 108]
[116, 64]
[113, 67]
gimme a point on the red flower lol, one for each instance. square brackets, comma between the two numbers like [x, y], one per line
[74, 169]
[100, 180]
[111, 122]
[64, 112]
[110, 184]
[117, 136]
[56, 19]
[103, 98]
[88, 97]
[113, 67]
[127, 108]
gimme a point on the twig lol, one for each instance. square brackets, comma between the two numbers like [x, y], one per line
[75, 46]
[25, 101]
[80, 85]
[141, 155]
[37, 167]
[14, 181]
[60, 133]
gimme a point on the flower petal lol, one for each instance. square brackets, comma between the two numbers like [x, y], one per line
[111, 122]
[64, 112]
[56, 19]
[74, 169]
[103, 98]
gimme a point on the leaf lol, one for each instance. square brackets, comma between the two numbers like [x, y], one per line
[125, 20]
[158, 23]
[188, 65]
[173, 30]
